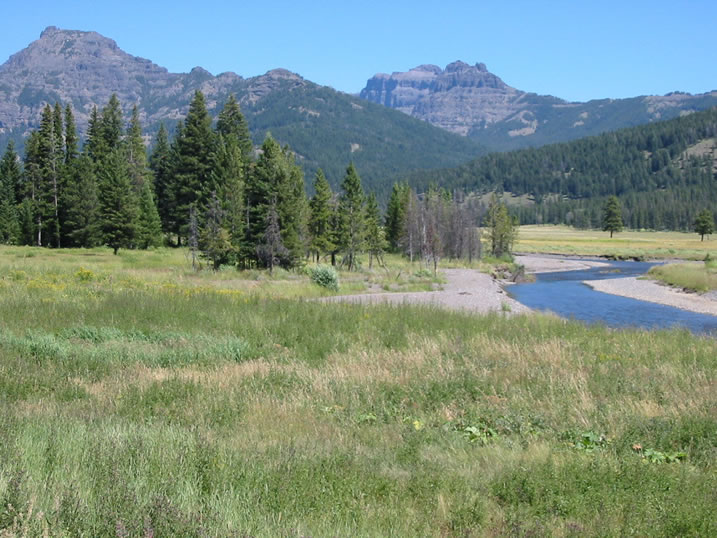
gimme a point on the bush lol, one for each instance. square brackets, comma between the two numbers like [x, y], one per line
[325, 276]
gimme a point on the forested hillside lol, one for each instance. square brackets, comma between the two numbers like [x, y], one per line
[662, 173]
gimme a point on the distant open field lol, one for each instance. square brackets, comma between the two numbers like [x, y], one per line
[628, 244]
[140, 399]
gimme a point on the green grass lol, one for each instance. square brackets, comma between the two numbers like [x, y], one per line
[129, 407]
[628, 244]
[699, 277]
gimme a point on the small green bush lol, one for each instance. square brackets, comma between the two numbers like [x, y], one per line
[325, 276]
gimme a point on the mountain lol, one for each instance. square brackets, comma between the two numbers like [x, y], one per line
[664, 173]
[324, 127]
[470, 100]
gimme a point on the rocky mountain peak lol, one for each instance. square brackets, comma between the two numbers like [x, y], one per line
[455, 98]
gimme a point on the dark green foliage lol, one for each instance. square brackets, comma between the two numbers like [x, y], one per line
[161, 166]
[149, 227]
[320, 217]
[325, 276]
[231, 123]
[501, 229]
[136, 153]
[118, 203]
[704, 223]
[71, 140]
[228, 175]
[193, 153]
[110, 128]
[659, 185]
[10, 175]
[375, 240]
[214, 242]
[271, 250]
[81, 225]
[612, 216]
[396, 215]
[352, 223]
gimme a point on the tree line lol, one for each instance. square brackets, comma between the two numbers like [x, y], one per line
[660, 184]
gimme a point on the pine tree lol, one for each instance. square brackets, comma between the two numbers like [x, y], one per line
[352, 224]
[71, 140]
[30, 212]
[271, 250]
[161, 166]
[81, 225]
[228, 175]
[320, 219]
[111, 125]
[375, 240]
[214, 242]
[293, 210]
[149, 227]
[704, 223]
[612, 216]
[50, 160]
[231, 122]
[94, 145]
[396, 215]
[501, 228]
[193, 156]
[118, 203]
[9, 224]
[136, 153]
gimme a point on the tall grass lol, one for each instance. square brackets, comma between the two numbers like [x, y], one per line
[700, 277]
[141, 409]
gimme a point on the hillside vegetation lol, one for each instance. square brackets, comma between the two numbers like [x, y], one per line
[656, 171]
[135, 403]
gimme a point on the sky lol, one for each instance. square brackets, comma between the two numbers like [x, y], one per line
[577, 50]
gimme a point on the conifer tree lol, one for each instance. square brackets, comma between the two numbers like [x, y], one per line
[118, 203]
[9, 224]
[231, 122]
[293, 210]
[271, 250]
[11, 172]
[228, 175]
[161, 166]
[136, 153]
[352, 222]
[81, 225]
[375, 240]
[111, 125]
[193, 158]
[396, 215]
[50, 159]
[149, 227]
[214, 242]
[94, 145]
[320, 225]
[71, 140]
[612, 216]
[501, 229]
[704, 223]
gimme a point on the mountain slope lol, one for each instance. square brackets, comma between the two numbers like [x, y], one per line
[326, 128]
[471, 101]
[664, 173]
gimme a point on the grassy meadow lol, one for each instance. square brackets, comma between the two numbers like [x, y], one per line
[626, 244]
[695, 277]
[138, 398]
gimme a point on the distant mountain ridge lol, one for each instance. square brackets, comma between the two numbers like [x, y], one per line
[471, 101]
[324, 127]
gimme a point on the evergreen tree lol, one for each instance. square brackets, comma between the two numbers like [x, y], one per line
[293, 210]
[214, 242]
[352, 224]
[94, 145]
[149, 227]
[161, 166]
[118, 203]
[71, 140]
[501, 228]
[231, 122]
[704, 223]
[9, 224]
[11, 172]
[111, 125]
[612, 216]
[396, 215]
[271, 250]
[193, 158]
[136, 153]
[375, 240]
[50, 159]
[320, 220]
[228, 175]
[81, 226]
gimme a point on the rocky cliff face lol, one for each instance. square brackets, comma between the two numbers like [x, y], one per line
[469, 100]
[457, 98]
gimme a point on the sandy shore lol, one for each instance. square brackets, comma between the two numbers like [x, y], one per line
[651, 291]
[553, 264]
[465, 289]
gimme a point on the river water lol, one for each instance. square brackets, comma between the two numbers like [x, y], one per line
[564, 294]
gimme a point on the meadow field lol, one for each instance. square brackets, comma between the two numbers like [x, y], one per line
[627, 244]
[138, 398]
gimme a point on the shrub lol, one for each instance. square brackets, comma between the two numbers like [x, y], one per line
[325, 276]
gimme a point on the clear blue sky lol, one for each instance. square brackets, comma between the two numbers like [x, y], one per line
[577, 50]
